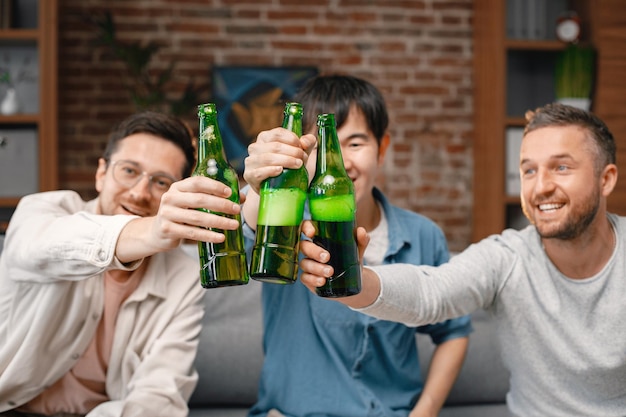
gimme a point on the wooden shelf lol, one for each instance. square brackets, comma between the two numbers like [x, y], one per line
[9, 202]
[19, 119]
[44, 124]
[533, 45]
[512, 76]
[515, 121]
[19, 34]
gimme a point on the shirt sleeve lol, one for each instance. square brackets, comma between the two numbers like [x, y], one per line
[420, 295]
[52, 237]
[447, 330]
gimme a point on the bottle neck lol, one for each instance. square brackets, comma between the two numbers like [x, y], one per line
[293, 122]
[329, 159]
[210, 140]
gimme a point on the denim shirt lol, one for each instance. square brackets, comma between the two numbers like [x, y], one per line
[324, 359]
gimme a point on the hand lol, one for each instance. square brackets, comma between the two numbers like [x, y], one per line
[315, 270]
[274, 150]
[178, 219]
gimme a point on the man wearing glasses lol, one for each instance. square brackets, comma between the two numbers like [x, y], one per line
[100, 310]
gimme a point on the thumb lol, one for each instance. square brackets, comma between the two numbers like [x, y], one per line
[308, 143]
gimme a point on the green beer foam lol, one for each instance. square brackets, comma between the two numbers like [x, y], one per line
[282, 207]
[338, 208]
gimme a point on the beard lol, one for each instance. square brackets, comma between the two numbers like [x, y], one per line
[574, 224]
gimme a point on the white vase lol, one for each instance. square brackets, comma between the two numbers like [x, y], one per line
[579, 103]
[10, 104]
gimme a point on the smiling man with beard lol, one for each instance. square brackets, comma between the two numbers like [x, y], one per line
[556, 288]
[100, 309]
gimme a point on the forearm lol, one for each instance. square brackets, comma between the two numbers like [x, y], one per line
[135, 242]
[444, 369]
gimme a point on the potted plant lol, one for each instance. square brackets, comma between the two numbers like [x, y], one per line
[147, 85]
[574, 75]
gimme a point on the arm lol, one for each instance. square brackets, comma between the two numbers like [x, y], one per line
[57, 236]
[468, 282]
[272, 150]
[444, 368]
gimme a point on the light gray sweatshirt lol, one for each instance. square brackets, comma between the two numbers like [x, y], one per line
[563, 340]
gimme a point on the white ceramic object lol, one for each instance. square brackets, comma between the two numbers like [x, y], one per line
[579, 103]
[10, 104]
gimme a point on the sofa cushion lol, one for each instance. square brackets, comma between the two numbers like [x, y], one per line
[483, 377]
[230, 352]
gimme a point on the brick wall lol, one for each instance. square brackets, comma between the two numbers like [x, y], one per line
[418, 52]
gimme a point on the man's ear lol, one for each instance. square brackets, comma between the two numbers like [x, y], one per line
[609, 179]
[100, 174]
[382, 148]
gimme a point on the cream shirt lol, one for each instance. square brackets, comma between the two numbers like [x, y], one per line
[52, 297]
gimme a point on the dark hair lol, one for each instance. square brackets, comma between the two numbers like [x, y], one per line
[161, 125]
[337, 94]
[556, 114]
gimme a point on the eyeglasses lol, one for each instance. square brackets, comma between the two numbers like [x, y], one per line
[129, 173]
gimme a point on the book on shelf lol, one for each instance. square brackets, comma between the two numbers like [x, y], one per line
[5, 13]
[512, 146]
[533, 19]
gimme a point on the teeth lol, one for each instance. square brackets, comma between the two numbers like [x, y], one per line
[546, 207]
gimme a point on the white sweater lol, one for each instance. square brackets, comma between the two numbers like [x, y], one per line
[563, 340]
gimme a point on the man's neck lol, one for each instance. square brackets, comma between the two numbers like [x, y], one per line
[368, 214]
[119, 275]
[586, 255]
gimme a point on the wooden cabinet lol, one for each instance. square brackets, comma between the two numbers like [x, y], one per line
[514, 74]
[28, 126]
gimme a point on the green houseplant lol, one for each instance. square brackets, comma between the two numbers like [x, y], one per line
[147, 85]
[574, 75]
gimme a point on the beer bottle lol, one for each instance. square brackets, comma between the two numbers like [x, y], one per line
[221, 264]
[333, 208]
[281, 207]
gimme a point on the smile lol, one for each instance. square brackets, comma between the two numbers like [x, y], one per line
[132, 211]
[550, 207]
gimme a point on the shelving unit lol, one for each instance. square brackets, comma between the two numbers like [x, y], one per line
[29, 138]
[511, 77]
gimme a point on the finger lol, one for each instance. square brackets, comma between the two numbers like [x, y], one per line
[308, 143]
[197, 218]
[311, 250]
[312, 281]
[308, 229]
[254, 176]
[194, 199]
[362, 239]
[200, 184]
[278, 134]
[194, 233]
[274, 154]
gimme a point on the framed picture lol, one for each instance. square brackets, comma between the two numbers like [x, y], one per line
[250, 100]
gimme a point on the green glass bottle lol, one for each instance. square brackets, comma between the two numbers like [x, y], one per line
[333, 209]
[221, 264]
[281, 207]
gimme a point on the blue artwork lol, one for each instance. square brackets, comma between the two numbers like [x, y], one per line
[250, 100]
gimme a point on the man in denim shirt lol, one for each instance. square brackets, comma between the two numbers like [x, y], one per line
[361, 366]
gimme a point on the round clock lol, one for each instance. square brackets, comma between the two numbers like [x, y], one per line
[568, 28]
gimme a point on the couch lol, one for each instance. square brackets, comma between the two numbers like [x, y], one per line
[230, 356]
